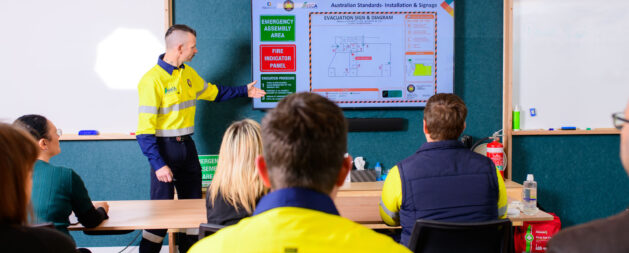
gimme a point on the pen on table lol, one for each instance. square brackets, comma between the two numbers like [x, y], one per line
[568, 128]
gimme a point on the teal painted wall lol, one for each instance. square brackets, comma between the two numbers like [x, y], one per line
[116, 170]
[580, 178]
[224, 58]
[111, 170]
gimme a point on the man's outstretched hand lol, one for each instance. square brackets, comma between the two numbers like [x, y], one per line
[254, 92]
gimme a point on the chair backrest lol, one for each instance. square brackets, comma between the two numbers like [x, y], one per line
[438, 236]
[206, 229]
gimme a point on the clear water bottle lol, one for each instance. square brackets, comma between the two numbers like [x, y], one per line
[385, 172]
[529, 195]
[378, 170]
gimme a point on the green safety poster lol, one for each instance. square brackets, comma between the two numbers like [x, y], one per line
[208, 167]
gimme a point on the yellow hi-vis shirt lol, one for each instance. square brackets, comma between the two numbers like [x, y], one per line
[297, 220]
[391, 201]
[299, 230]
[168, 101]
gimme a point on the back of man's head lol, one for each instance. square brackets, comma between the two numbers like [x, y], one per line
[178, 34]
[445, 116]
[305, 140]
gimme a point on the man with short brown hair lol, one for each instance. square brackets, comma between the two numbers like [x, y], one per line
[304, 163]
[443, 180]
[168, 95]
[305, 146]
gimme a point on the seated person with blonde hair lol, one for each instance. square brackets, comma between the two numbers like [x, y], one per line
[236, 186]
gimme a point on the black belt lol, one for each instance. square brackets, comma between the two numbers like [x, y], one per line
[176, 138]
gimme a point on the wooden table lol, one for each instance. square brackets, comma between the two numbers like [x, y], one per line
[173, 215]
[152, 214]
[360, 202]
[356, 201]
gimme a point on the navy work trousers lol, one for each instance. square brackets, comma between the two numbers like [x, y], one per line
[183, 160]
[180, 154]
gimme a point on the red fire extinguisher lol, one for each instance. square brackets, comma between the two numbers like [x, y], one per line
[495, 151]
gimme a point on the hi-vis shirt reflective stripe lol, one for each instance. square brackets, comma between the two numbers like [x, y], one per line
[391, 201]
[166, 110]
[175, 107]
[168, 101]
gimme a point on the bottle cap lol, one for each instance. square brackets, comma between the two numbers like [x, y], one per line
[529, 177]
[378, 164]
[517, 108]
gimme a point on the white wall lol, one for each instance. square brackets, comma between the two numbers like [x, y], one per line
[78, 62]
[571, 62]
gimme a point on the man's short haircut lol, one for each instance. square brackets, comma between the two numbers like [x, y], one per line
[445, 116]
[304, 140]
[179, 27]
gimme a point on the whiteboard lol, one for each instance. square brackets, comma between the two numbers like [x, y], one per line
[78, 62]
[571, 60]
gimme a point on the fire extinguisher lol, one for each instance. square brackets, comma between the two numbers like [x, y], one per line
[495, 151]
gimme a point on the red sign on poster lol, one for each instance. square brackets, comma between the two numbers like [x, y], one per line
[277, 58]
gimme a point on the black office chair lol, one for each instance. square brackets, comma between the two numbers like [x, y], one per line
[486, 237]
[206, 229]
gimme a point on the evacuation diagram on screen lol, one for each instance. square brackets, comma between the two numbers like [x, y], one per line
[353, 56]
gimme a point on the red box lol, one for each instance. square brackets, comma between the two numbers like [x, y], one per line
[363, 58]
[277, 58]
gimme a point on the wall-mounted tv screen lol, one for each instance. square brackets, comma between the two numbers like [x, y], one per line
[357, 53]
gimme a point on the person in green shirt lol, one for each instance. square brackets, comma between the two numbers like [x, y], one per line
[18, 152]
[58, 191]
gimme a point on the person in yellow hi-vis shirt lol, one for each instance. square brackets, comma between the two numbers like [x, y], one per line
[168, 93]
[443, 180]
[304, 162]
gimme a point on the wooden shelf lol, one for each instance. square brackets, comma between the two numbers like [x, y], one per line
[567, 132]
[100, 137]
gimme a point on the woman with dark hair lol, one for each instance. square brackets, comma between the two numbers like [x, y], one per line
[58, 191]
[18, 152]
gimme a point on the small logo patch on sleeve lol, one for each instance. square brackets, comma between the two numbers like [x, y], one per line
[290, 250]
